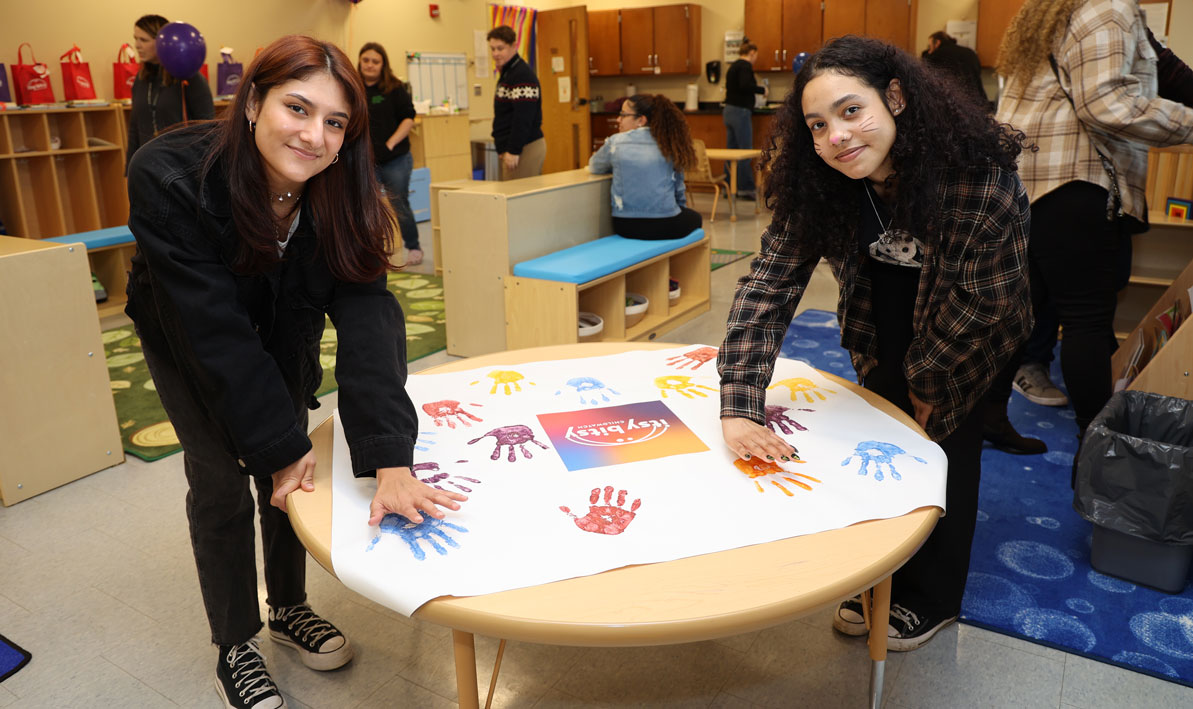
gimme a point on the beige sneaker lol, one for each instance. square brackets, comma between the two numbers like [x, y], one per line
[1033, 383]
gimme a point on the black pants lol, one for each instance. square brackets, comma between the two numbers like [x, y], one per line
[1077, 260]
[677, 227]
[219, 507]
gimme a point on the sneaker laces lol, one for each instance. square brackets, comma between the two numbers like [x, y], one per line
[248, 671]
[302, 622]
[909, 618]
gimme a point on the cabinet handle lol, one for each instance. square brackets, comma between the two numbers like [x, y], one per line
[784, 56]
[590, 63]
[776, 56]
[648, 56]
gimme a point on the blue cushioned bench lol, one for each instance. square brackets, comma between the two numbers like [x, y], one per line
[594, 259]
[544, 295]
[98, 239]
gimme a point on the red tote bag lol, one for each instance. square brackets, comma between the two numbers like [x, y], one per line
[31, 81]
[124, 72]
[76, 76]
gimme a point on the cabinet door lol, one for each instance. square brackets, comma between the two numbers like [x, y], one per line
[802, 20]
[764, 29]
[994, 16]
[604, 43]
[637, 41]
[889, 20]
[671, 48]
[842, 17]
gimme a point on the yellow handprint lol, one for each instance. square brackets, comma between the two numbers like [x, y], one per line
[683, 385]
[806, 386]
[505, 377]
[757, 468]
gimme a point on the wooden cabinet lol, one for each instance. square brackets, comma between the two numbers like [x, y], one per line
[442, 143]
[660, 40]
[782, 29]
[604, 42]
[994, 16]
[889, 20]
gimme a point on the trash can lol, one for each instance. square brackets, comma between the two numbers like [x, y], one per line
[1135, 483]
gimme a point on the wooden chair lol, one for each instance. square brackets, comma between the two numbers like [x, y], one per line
[701, 176]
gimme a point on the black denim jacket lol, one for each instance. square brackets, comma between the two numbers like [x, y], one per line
[248, 345]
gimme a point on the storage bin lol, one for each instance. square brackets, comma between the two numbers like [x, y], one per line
[591, 326]
[635, 309]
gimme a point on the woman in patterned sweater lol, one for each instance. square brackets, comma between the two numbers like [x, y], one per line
[908, 189]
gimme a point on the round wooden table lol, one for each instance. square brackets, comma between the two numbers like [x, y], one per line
[686, 600]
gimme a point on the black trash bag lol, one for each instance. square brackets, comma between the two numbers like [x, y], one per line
[1135, 468]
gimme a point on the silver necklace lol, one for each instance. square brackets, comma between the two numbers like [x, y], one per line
[284, 197]
[885, 236]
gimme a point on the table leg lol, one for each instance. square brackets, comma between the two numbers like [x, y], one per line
[757, 187]
[732, 190]
[878, 629]
[465, 652]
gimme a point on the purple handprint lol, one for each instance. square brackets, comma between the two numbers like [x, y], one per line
[516, 435]
[777, 419]
[439, 477]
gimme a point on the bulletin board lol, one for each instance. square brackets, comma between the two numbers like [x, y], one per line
[438, 77]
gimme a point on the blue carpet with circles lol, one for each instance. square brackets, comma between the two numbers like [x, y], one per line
[1029, 574]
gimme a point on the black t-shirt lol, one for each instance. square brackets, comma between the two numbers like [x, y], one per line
[894, 275]
[386, 113]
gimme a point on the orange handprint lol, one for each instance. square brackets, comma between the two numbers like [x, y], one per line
[757, 468]
[683, 385]
[605, 519]
[695, 358]
[505, 377]
[802, 385]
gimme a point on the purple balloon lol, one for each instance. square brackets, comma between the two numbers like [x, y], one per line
[181, 49]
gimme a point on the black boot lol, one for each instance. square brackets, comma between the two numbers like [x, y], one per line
[997, 429]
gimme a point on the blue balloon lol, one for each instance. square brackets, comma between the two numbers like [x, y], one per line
[798, 62]
[180, 49]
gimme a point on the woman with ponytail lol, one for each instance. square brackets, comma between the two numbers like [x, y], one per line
[647, 158]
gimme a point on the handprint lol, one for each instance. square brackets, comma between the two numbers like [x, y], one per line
[429, 530]
[425, 440]
[802, 385]
[695, 358]
[683, 385]
[605, 519]
[880, 454]
[437, 477]
[588, 386]
[777, 419]
[443, 411]
[505, 377]
[511, 436]
[757, 468]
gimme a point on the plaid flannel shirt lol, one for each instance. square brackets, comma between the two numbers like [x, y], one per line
[1108, 67]
[972, 309]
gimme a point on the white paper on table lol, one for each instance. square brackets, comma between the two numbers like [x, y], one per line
[859, 464]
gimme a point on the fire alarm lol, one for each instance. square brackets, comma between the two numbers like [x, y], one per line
[434, 11]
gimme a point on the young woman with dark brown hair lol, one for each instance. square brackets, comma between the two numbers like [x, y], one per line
[647, 158]
[249, 231]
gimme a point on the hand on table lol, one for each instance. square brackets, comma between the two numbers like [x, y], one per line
[747, 439]
[399, 492]
[300, 473]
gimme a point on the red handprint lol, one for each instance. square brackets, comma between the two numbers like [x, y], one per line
[696, 358]
[605, 519]
[441, 411]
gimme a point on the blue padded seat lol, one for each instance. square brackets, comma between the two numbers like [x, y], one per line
[98, 239]
[593, 259]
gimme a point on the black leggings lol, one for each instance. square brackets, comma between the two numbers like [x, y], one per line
[677, 227]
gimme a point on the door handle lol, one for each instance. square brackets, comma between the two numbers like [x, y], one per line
[784, 56]
[776, 56]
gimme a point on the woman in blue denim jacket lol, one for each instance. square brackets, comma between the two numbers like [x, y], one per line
[647, 158]
[250, 231]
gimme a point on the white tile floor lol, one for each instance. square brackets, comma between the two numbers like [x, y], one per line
[97, 581]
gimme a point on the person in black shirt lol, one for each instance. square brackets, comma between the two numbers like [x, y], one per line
[957, 62]
[391, 117]
[740, 89]
[159, 99]
[517, 109]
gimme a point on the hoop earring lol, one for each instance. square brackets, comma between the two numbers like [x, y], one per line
[335, 159]
[252, 126]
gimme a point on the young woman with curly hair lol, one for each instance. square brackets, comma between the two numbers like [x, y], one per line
[908, 189]
[647, 158]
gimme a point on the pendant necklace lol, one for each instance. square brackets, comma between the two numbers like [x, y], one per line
[885, 237]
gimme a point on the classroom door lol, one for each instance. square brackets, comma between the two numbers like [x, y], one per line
[563, 74]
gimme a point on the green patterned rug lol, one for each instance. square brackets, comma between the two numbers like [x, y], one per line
[144, 429]
[724, 257]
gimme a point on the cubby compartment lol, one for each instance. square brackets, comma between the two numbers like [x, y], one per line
[111, 192]
[5, 139]
[76, 192]
[66, 131]
[12, 209]
[35, 176]
[607, 299]
[29, 131]
[651, 281]
[103, 126]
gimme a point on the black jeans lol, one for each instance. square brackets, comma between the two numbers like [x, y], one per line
[219, 507]
[395, 177]
[647, 229]
[1077, 260]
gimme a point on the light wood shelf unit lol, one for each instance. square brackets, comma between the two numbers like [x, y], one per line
[443, 144]
[540, 312]
[78, 186]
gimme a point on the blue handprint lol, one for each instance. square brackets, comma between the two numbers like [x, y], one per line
[425, 440]
[880, 454]
[588, 386]
[411, 533]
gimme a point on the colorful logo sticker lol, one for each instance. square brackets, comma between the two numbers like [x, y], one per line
[613, 435]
